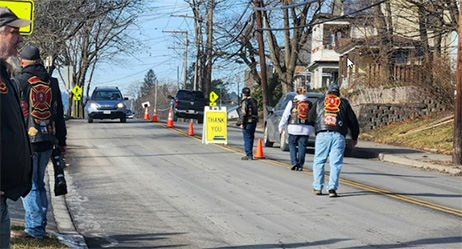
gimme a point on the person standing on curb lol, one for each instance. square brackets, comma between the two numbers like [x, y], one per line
[39, 95]
[332, 117]
[248, 119]
[296, 114]
[16, 157]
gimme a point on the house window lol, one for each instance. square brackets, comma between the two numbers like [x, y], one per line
[401, 57]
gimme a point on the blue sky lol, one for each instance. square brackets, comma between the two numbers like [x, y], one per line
[155, 55]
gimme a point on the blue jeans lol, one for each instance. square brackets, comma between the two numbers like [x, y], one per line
[5, 237]
[300, 142]
[332, 145]
[36, 202]
[249, 136]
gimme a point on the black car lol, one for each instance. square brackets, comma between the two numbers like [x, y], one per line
[271, 132]
[107, 103]
[188, 104]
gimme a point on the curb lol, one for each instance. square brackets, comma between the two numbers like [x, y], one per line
[66, 234]
[418, 164]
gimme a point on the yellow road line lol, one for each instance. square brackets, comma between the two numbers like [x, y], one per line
[343, 181]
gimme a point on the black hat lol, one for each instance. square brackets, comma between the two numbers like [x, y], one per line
[246, 91]
[333, 88]
[8, 18]
[30, 53]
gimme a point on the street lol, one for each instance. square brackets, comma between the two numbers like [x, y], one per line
[141, 185]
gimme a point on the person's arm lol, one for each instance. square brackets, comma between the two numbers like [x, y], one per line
[285, 117]
[61, 130]
[312, 114]
[242, 112]
[353, 125]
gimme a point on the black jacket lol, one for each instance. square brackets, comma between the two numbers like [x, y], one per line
[16, 157]
[333, 113]
[24, 89]
[248, 111]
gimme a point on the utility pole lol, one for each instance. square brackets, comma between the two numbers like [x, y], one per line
[261, 53]
[185, 59]
[198, 41]
[208, 75]
[457, 147]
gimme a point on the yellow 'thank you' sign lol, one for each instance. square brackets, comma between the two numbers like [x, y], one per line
[24, 9]
[215, 125]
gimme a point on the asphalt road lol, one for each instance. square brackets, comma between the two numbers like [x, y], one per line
[141, 185]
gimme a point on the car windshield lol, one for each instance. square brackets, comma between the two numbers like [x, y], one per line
[190, 95]
[107, 95]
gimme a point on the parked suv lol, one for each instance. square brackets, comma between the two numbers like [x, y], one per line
[271, 132]
[188, 104]
[107, 103]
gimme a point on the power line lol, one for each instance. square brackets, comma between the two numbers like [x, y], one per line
[327, 20]
[285, 6]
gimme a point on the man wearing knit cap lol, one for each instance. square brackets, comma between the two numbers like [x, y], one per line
[40, 99]
[15, 158]
[332, 117]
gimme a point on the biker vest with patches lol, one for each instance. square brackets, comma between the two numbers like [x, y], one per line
[39, 105]
[331, 114]
[299, 112]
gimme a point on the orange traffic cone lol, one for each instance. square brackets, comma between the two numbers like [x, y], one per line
[154, 115]
[259, 152]
[191, 129]
[170, 119]
[146, 113]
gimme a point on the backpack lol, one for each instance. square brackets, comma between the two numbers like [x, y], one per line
[299, 112]
[251, 112]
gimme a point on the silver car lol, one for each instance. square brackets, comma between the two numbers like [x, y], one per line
[271, 132]
[107, 103]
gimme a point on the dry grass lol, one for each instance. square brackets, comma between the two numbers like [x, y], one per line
[49, 242]
[438, 139]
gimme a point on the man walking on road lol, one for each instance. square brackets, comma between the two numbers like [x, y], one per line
[332, 117]
[15, 158]
[248, 118]
[39, 94]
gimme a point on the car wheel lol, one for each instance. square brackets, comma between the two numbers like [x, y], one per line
[284, 144]
[200, 120]
[90, 120]
[266, 140]
[123, 120]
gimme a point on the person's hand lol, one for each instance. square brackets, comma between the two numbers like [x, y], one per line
[63, 150]
[280, 132]
[2, 193]
[354, 142]
[242, 126]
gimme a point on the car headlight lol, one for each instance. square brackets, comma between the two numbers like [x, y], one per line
[120, 105]
[94, 105]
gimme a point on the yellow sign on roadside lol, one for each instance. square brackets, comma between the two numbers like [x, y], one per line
[215, 125]
[24, 9]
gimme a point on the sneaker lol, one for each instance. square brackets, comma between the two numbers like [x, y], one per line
[300, 168]
[332, 193]
[23, 234]
[317, 192]
[294, 167]
[246, 158]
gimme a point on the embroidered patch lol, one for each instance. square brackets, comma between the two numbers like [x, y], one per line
[32, 131]
[332, 103]
[330, 119]
[3, 87]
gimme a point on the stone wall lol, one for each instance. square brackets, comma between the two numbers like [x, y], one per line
[379, 107]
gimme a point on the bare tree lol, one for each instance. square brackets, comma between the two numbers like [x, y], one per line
[86, 33]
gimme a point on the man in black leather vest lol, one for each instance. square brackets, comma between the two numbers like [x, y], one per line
[15, 158]
[39, 94]
[332, 116]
